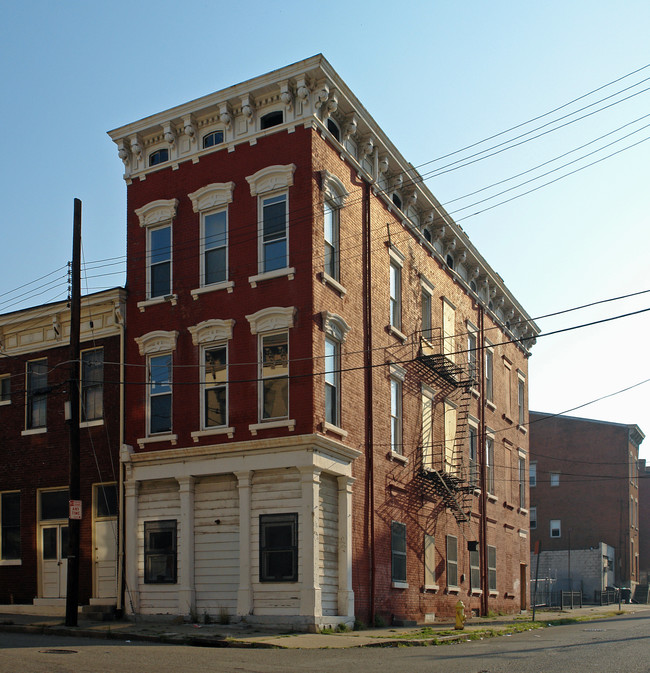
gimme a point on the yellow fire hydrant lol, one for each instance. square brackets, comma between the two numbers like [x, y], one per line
[460, 615]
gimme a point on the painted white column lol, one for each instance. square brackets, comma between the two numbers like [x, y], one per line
[186, 592]
[345, 594]
[131, 599]
[245, 590]
[308, 536]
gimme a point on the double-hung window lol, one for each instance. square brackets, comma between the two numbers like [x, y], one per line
[92, 385]
[521, 399]
[274, 375]
[332, 381]
[331, 237]
[489, 372]
[492, 567]
[449, 330]
[10, 526]
[36, 394]
[160, 552]
[428, 397]
[215, 386]
[532, 474]
[489, 462]
[274, 233]
[396, 382]
[474, 570]
[279, 547]
[522, 482]
[398, 552]
[533, 518]
[5, 389]
[472, 344]
[452, 561]
[427, 328]
[395, 290]
[215, 247]
[156, 217]
[555, 526]
[160, 393]
[160, 261]
[473, 455]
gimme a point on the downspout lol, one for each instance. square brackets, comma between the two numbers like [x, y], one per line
[482, 457]
[119, 318]
[367, 334]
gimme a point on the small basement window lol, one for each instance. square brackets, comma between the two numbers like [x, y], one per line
[271, 119]
[158, 157]
[212, 139]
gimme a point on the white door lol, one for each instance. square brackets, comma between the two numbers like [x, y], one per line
[54, 564]
[106, 558]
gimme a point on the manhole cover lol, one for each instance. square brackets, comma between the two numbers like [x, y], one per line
[58, 651]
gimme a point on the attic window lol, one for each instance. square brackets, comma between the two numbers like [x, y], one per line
[450, 261]
[271, 119]
[427, 235]
[212, 139]
[333, 128]
[472, 286]
[158, 157]
[397, 200]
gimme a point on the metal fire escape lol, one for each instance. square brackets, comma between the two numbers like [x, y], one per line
[444, 472]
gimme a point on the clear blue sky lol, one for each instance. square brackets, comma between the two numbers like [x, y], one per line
[437, 76]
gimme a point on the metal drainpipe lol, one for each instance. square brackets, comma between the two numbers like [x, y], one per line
[367, 308]
[483, 456]
[120, 523]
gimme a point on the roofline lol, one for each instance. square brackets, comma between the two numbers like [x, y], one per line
[633, 428]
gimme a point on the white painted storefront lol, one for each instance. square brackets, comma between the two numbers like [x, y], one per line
[216, 495]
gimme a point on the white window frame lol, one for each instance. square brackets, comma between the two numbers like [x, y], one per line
[336, 331]
[31, 393]
[449, 330]
[491, 563]
[451, 544]
[429, 557]
[522, 480]
[428, 405]
[507, 366]
[167, 393]
[532, 474]
[269, 183]
[395, 295]
[489, 465]
[396, 382]
[263, 379]
[332, 380]
[427, 313]
[334, 196]
[155, 216]
[554, 479]
[532, 514]
[397, 541]
[489, 373]
[474, 471]
[213, 199]
[557, 527]
[521, 400]
[205, 386]
[472, 353]
[85, 386]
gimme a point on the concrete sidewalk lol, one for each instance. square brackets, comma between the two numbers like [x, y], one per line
[50, 620]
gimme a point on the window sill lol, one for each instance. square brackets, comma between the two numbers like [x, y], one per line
[4, 402]
[476, 592]
[398, 457]
[269, 425]
[399, 585]
[334, 429]
[397, 333]
[215, 287]
[475, 393]
[452, 590]
[199, 434]
[508, 505]
[522, 429]
[288, 271]
[326, 279]
[523, 510]
[491, 498]
[157, 438]
[430, 588]
[11, 562]
[493, 594]
[92, 424]
[507, 419]
[490, 405]
[171, 298]
[33, 431]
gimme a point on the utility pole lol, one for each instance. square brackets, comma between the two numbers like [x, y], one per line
[74, 514]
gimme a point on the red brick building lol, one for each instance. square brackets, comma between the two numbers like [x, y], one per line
[327, 383]
[644, 518]
[584, 480]
[34, 372]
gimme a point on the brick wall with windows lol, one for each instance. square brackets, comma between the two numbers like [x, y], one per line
[36, 457]
[586, 486]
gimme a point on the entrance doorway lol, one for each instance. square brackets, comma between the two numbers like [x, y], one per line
[105, 541]
[523, 583]
[53, 541]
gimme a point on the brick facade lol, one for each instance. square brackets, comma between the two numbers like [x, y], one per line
[594, 494]
[36, 460]
[395, 485]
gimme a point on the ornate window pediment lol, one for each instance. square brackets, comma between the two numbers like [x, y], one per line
[335, 326]
[271, 178]
[212, 196]
[334, 190]
[209, 331]
[272, 318]
[157, 212]
[158, 341]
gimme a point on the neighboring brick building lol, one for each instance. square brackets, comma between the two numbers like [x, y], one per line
[585, 490]
[34, 374]
[644, 522]
[327, 384]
